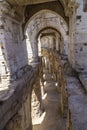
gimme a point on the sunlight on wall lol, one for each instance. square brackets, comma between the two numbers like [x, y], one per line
[29, 49]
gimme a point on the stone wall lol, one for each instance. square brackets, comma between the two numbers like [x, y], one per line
[15, 111]
[55, 65]
[13, 52]
[78, 38]
[81, 38]
[41, 20]
[73, 96]
[16, 49]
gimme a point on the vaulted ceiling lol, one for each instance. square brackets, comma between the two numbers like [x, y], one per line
[23, 7]
[30, 2]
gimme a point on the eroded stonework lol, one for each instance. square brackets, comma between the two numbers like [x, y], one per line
[33, 37]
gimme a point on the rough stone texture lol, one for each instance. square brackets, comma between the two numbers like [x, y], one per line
[77, 104]
[12, 48]
[55, 6]
[19, 98]
[50, 38]
[17, 78]
[52, 117]
[77, 97]
[42, 20]
[78, 39]
[13, 44]
[35, 107]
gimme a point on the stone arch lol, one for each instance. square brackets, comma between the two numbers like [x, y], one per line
[41, 20]
[51, 37]
[47, 28]
[42, 11]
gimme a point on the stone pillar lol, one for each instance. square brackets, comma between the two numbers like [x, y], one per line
[61, 46]
[47, 64]
[49, 67]
[56, 70]
[63, 97]
[71, 50]
[57, 42]
[35, 50]
[59, 77]
[69, 120]
[43, 62]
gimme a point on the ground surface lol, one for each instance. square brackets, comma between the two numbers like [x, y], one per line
[51, 118]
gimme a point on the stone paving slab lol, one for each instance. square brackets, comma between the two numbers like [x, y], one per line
[78, 107]
[77, 104]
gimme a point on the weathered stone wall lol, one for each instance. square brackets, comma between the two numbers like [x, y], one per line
[55, 65]
[16, 50]
[78, 38]
[13, 51]
[15, 106]
[50, 38]
[81, 38]
[15, 111]
[47, 41]
[73, 96]
[43, 20]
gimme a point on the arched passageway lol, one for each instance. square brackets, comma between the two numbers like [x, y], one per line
[43, 64]
[41, 20]
[46, 30]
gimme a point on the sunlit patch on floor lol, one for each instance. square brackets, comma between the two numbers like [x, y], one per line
[44, 75]
[3, 88]
[45, 83]
[56, 84]
[39, 120]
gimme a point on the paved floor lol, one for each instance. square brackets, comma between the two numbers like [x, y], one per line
[51, 119]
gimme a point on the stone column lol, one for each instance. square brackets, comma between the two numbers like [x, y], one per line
[57, 42]
[49, 67]
[43, 62]
[35, 50]
[46, 62]
[69, 120]
[59, 77]
[64, 102]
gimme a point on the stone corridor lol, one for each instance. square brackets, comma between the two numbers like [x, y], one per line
[52, 119]
[43, 64]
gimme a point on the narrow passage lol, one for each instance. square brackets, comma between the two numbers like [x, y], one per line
[52, 118]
